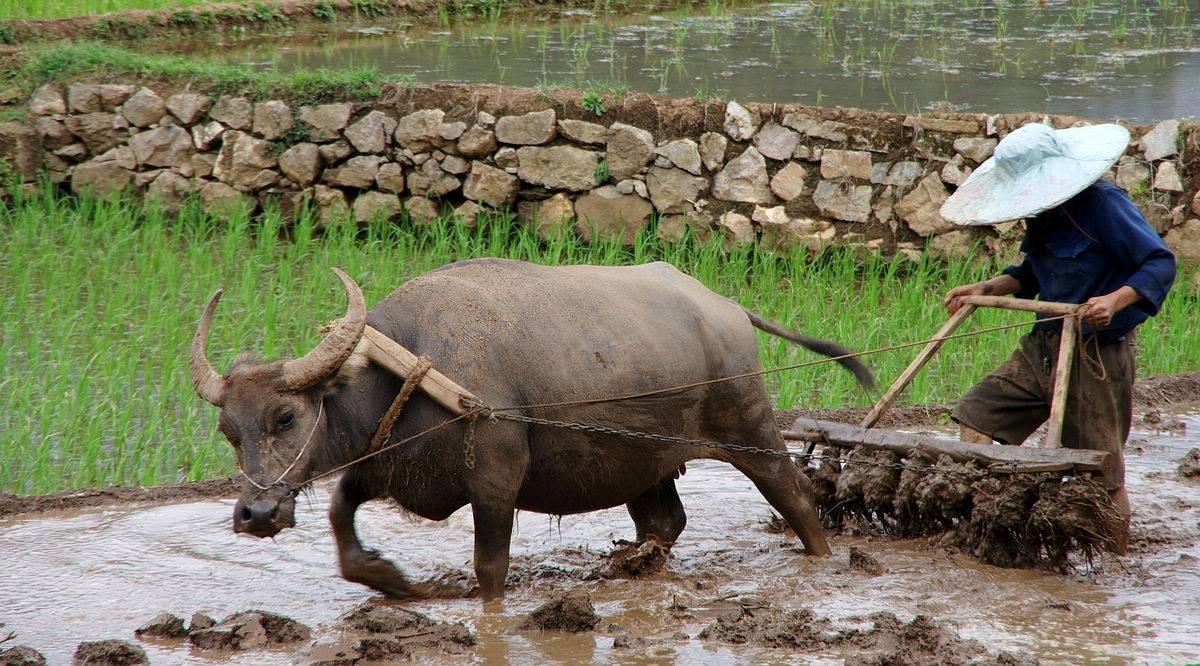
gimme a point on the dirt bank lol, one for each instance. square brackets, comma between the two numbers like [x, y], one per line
[117, 495]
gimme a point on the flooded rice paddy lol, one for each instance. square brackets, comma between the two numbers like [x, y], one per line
[1105, 59]
[99, 574]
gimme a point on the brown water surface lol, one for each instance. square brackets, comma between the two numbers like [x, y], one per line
[100, 574]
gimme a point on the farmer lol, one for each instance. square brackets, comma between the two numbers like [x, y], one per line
[1085, 242]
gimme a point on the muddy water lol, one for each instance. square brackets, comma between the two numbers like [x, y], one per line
[1096, 58]
[100, 574]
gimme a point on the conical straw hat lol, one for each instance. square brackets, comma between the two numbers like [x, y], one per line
[1035, 168]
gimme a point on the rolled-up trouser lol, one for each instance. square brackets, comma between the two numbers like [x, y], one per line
[1013, 401]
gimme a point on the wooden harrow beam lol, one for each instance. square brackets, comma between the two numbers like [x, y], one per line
[1049, 457]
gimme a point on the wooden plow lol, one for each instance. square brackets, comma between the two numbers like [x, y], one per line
[1008, 505]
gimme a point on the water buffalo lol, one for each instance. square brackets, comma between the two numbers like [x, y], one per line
[514, 334]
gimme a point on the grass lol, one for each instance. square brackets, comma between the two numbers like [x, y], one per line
[70, 60]
[39, 9]
[101, 299]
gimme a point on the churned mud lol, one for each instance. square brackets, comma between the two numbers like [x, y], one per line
[21, 655]
[634, 560]
[571, 612]
[893, 592]
[109, 652]
[378, 631]
[887, 639]
[1189, 465]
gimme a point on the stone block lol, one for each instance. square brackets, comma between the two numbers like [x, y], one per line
[491, 186]
[606, 214]
[846, 164]
[558, 167]
[630, 149]
[920, 207]
[528, 129]
[843, 200]
[581, 131]
[272, 119]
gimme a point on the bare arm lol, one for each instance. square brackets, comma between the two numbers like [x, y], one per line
[1099, 310]
[997, 286]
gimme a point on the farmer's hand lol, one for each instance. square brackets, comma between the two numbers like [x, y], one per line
[953, 300]
[1098, 311]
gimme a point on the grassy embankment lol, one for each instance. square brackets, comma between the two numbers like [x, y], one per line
[39, 9]
[101, 299]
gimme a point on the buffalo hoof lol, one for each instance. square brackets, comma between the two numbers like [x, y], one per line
[367, 567]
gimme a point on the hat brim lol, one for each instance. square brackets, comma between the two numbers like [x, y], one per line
[991, 196]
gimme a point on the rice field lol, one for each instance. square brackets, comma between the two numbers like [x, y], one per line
[101, 299]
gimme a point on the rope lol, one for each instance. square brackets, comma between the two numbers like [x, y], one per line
[389, 447]
[262, 488]
[759, 373]
[393, 412]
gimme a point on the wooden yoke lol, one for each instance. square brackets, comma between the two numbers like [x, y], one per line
[393, 357]
[1062, 373]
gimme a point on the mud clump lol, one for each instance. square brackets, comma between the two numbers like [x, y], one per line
[571, 612]
[200, 622]
[860, 560]
[944, 496]
[868, 481]
[824, 481]
[635, 560]
[889, 640]
[164, 625]
[391, 634]
[21, 655]
[1189, 465]
[922, 641]
[768, 626]
[110, 652]
[1158, 422]
[249, 630]
[1075, 515]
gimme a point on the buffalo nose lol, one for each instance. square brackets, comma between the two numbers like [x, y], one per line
[257, 517]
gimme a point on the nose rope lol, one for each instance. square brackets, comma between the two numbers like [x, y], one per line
[279, 481]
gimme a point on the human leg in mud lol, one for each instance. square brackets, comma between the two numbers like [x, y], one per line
[658, 513]
[1011, 403]
[359, 564]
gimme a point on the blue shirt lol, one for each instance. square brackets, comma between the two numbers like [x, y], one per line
[1092, 245]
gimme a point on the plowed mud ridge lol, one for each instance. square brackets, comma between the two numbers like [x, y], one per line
[1148, 393]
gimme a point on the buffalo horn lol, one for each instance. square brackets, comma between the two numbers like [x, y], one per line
[209, 384]
[337, 345]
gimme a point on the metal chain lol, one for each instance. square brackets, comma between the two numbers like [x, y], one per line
[703, 443]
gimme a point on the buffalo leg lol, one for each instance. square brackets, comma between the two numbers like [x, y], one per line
[493, 534]
[658, 513]
[359, 564]
[787, 489]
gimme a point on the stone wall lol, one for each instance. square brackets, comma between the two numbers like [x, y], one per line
[785, 176]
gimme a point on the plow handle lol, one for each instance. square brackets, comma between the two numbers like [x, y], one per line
[1062, 373]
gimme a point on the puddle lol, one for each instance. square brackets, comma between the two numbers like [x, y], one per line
[79, 576]
[1104, 59]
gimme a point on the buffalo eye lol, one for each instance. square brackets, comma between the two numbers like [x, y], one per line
[285, 421]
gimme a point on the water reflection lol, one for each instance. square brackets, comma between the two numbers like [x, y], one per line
[1100, 58]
